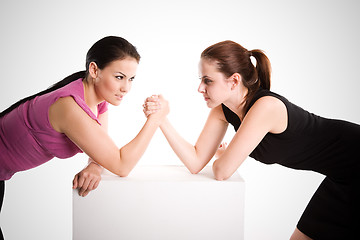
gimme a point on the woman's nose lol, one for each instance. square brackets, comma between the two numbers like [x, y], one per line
[126, 86]
[201, 88]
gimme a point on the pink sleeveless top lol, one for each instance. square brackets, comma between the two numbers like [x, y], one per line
[27, 139]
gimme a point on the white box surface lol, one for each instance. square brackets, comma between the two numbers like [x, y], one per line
[161, 203]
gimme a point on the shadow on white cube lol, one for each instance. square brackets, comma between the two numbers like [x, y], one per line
[161, 203]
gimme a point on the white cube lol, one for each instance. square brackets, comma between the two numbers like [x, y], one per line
[161, 203]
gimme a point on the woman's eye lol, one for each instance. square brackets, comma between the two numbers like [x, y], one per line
[207, 81]
[131, 79]
[120, 77]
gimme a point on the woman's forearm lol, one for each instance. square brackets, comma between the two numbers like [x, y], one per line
[185, 151]
[190, 155]
[131, 153]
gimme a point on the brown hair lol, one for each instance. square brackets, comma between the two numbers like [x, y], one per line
[231, 58]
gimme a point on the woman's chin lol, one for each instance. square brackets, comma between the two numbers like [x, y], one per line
[114, 103]
[211, 104]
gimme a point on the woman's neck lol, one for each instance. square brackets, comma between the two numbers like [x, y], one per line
[237, 102]
[90, 96]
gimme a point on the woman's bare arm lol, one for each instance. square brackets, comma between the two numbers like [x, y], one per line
[195, 157]
[67, 117]
[268, 114]
[89, 178]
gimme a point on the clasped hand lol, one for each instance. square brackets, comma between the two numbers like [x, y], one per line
[156, 106]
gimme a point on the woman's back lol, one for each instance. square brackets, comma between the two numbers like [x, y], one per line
[26, 137]
[310, 142]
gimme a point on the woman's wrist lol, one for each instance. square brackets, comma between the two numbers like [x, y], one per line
[94, 164]
[156, 119]
[164, 123]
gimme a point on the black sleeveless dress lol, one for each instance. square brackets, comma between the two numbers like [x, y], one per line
[327, 146]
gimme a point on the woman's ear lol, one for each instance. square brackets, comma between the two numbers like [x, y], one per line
[235, 80]
[93, 70]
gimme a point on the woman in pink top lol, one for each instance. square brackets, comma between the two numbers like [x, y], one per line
[71, 117]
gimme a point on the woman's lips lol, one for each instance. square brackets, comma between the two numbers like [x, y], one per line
[119, 97]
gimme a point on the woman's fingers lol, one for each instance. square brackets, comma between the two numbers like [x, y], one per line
[88, 186]
[221, 149]
[87, 180]
[151, 105]
[75, 182]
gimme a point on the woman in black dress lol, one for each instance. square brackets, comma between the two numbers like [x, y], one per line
[271, 129]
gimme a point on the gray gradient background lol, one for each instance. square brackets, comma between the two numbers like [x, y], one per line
[312, 45]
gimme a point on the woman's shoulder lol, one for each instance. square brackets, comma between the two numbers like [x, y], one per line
[268, 101]
[272, 110]
[268, 97]
[62, 111]
[263, 93]
[269, 104]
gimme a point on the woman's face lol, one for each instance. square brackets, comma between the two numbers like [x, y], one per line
[115, 80]
[214, 86]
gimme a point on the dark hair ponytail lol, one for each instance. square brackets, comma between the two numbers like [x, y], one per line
[103, 52]
[263, 68]
[57, 85]
[232, 58]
